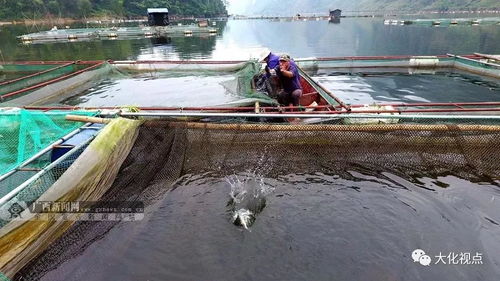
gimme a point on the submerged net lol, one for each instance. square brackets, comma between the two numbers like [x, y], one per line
[87, 179]
[242, 84]
[24, 133]
[165, 151]
[47, 72]
[56, 92]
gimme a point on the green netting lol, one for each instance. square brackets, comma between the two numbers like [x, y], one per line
[3, 277]
[27, 82]
[27, 68]
[23, 133]
[74, 178]
[242, 85]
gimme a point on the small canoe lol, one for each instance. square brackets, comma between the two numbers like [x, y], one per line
[315, 95]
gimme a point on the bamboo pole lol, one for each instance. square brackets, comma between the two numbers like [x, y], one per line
[88, 119]
[329, 127]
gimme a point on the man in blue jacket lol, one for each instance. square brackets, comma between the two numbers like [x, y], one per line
[271, 60]
[267, 82]
[288, 74]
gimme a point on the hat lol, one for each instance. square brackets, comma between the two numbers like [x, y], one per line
[285, 57]
[263, 55]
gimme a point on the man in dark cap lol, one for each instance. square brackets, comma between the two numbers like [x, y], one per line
[288, 74]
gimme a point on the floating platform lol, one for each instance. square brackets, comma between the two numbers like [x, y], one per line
[83, 34]
[37, 81]
[444, 22]
[41, 83]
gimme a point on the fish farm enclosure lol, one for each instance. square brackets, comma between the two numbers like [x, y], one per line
[205, 177]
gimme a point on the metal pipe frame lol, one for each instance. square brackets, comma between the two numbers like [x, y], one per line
[18, 189]
[43, 151]
[36, 74]
[51, 81]
[458, 107]
[308, 115]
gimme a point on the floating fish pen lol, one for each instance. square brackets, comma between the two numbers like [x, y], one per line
[444, 22]
[65, 154]
[481, 64]
[73, 35]
[42, 83]
[38, 81]
[113, 166]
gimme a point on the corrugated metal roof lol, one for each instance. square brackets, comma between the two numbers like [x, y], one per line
[157, 10]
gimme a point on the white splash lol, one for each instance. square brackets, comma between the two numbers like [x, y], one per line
[247, 197]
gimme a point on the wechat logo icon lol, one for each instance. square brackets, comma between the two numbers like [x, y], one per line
[419, 256]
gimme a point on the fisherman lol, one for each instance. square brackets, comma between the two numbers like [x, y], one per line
[288, 73]
[267, 82]
[271, 60]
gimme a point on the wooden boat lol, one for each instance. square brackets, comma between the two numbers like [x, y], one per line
[314, 96]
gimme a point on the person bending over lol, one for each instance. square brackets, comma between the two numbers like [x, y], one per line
[288, 74]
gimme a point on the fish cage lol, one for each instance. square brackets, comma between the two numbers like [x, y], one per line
[37, 81]
[52, 159]
[114, 167]
[114, 33]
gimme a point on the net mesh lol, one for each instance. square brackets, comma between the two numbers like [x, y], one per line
[35, 79]
[165, 151]
[86, 179]
[242, 84]
[24, 133]
[58, 91]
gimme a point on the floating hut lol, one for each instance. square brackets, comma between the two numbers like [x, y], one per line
[335, 14]
[158, 17]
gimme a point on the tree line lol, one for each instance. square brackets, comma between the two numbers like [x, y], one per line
[29, 9]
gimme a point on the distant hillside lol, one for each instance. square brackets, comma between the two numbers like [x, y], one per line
[292, 7]
[29, 9]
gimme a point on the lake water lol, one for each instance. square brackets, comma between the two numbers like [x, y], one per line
[323, 222]
[183, 90]
[241, 39]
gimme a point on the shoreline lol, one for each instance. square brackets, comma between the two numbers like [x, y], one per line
[348, 14]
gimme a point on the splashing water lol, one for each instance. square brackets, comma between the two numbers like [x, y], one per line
[247, 198]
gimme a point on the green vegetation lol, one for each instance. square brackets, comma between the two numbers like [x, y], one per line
[29, 9]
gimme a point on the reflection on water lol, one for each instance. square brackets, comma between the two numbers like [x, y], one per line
[154, 90]
[241, 39]
[444, 87]
[180, 89]
[354, 226]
